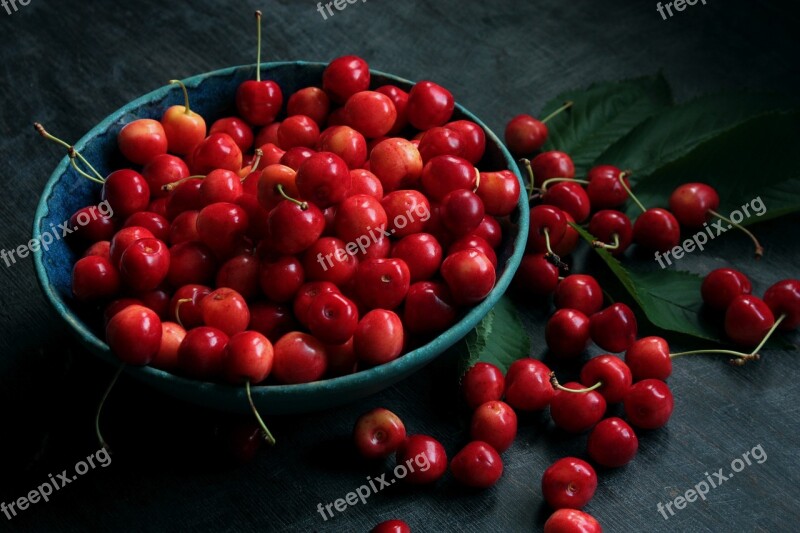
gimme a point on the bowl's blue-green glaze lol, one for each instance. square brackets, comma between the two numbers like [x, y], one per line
[212, 95]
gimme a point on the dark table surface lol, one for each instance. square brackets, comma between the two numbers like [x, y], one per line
[70, 63]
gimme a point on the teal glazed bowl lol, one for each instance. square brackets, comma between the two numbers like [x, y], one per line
[212, 95]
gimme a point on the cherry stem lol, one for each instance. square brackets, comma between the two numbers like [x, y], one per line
[558, 386]
[103, 443]
[759, 249]
[527, 164]
[187, 110]
[551, 256]
[740, 358]
[178, 305]
[769, 334]
[477, 180]
[564, 107]
[544, 186]
[44, 133]
[258, 53]
[175, 184]
[622, 176]
[601, 244]
[72, 154]
[259, 154]
[267, 435]
[303, 205]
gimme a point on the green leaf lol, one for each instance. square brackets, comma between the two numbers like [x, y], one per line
[601, 115]
[677, 131]
[756, 159]
[499, 339]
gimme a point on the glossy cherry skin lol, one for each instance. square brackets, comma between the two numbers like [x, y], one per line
[162, 170]
[330, 259]
[567, 333]
[391, 526]
[332, 318]
[347, 143]
[365, 182]
[524, 135]
[293, 229]
[357, 215]
[370, 113]
[294, 157]
[407, 212]
[202, 353]
[722, 285]
[298, 130]
[94, 278]
[93, 226]
[432, 453]
[536, 276]
[248, 357]
[783, 298]
[528, 385]
[396, 162]
[127, 192]
[382, 283]
[580, 292]
[379, 337]
[483, 382]
[499, 192]
[576, 412]
[323, 179]
[422, 254]
[184, 307]
[280, 279]
[572, 521]
[429, 105]
[441, 141]
[191, 262]
[614, 328]
[428, 308]
[691, 203]
[378, 433]
[238, 130]
[185, 197]
[226, 310]
[221, 186]
[569, 242]
[648, 358]
[657, 230]
[240, 273]
[569, 483]
[546, 218]
[605, 189]
[218, 150]
[400, 100]
[310, 101]
[124, 238]
[220, 226]
[469, 275]
[477, 465]
[570, 197]
[472, 241]
[157, 224]
[307, 293]
[474, 139]
[299, 358]
[649, 404]
[446, 173]
[134, 335]
[495, 423]
[605, 224]
[184, 129]
[273, 175]
[553, 164]
[462, 211]
[100, 248]
[172, 336]
[490, 230]
[747, 320]
[612, 443]
[345, 76]
[144, 264]
[259, 102]
[142, 140]
[614, 374]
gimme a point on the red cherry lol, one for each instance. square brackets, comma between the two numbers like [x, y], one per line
[93, 226]
[477, 465]
[524, 135]
[571, 521]
[648, 358]
[221, 186]
[612, 230]
[348, 144]
[126, 192]
[569, 242]
[259, 102]
[483, 382]
[605, 189]
[134, 335]
[580, 292]
[271, 320]
[299, 358]
[124, 238]
[162, 170]
[100, 249]
[94, 278]
[365, 182]
[142, 140]
[469, 275]
[612, 443]
[783, 298]
[298, 130]
[396, 162]
[294, 157]
[567, 333]
[691, 203]
[446, 173]
[226, 310]
[379, 337]
[657, 230]
[429, 105]
[172, 336]
[307, 293]
[328, 259]
[183, 127]
[649, 404]
[391, 526]
[382, 283]
[474, 242]
[378, 433]
[490, 230]
[323, 179]
[546, 219]
[722, 285]
[220, 226]
[310, 101]
[371, 113]
[549, 165]
[144, 264]
[536, 276]
[474, 139]
[407, 212]
[422, 253]
[218, 150]
[156, 300]
[332, 318]
[428, 308]
[400, 100]
[528, 385]
[612, 372]
[238, 129]
[747, 320]
[191, 262]
[269, 194]
[462, 211]
[495, 423]
[344, 77]
[157, 224]
[569, 197]
[184, 307]
[342, 358]
[202, 353]
[441, 141]
[248, 357]
[185, 197]
[281, 279]
[422, 451]
[357, 215]
[499, 192]
[240, 273]
[569, 483]
[576, 412]
[293, 228]
[269, 134]
[614, 328]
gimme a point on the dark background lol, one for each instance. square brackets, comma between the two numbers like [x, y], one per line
[68, 64]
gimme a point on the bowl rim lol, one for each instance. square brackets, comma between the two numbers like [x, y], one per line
[416, 358]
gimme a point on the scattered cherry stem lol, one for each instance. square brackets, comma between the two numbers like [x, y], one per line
[558, 386]
[622, 177]
[740, 358]
[44, 133]
[567, 105]
[759, 249]
[103, 443]
[267, 435]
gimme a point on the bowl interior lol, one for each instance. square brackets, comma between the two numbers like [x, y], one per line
[212, 95]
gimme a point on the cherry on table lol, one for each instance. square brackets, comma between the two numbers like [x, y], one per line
[536, 275]
[783, 299]
[649, 358]
[477, 465]
[605, 188]
[483, 382]
[612, 373]
[649, 404]
[547, 228]
[391, 526]
[525, 134]
[567, 333]
[569, 483]
[495, 423]
[528, 385]
[580, 292]
[570, 197]
[614, 328]
[575, 411]
[722, 285]
[572, 521]
[612, 443]
[747, 320]
[378, 433]
[433, 453]
[612, 231]
[552, 164]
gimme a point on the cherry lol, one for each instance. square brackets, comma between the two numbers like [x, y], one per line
[126, 192]
[446, 173]
[323, 179]
[569, 483]
[238, 130]
[191, 262]
[429, 105]
[157, 300]
[606, 189]
[783, 299]
[118, 305]
[382, 283]
[576, 412]
[549, 165]
[269, 134]
[391, 526]
[218, 150]
[462, 211]
[547, 228]
[298, 130]
[691, 203]
[722, 285]
[142, 140]
[477, 465]
[528, 385]
[422, 253]
[172, 336]
[332, 318]
[294, 226]
[299, 358]
[490, 230]
[310, 101]
[649, 404]
[144, 264]
[536, 276]
[580, 292]
[124, 238]
[407, 212]
[612, 443]
[441, 141]
[342, 359]
[220, 225]
[328, 259]
[162, 170]
[483, 382]
[416, 446]
[499, 192]
[396, 162]
[183, 127]
[269, 195]
[474, 139]
[294, 157]
[157, 224]
[96, 227]
[614, 328]
[613, 231]
[378, 433]
[365, 182]
[428, 308]
[379, 337]
[100, 249]
[184, 307]
[571, 521]
[747, 320]
[348, 144]
[184, 197]
[344, 77]
[356, 215]
[400, 100]
[134, 335]
[474, 242]
[240, 273]
[226, 310]
[202, 353]
[370, 113]
[525, 134]
[272, 320]
[248, 358]
[221, 186]
[495, 423]
[94, 278]
[257, 101]
[611, 373]
[307, 293]
[567, 333]
[649, 358]
[469, 275]
[570, 197]
[281, 279]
